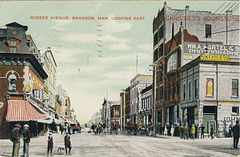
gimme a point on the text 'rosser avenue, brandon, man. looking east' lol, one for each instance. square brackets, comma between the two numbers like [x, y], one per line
[87, 18]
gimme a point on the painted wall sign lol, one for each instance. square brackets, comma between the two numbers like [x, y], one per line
[211, 48]
[225, 58]
[209, 87]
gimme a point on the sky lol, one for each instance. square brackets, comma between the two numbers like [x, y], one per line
[96, 59]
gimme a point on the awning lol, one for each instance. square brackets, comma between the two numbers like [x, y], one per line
[21, 110]
[45, 120]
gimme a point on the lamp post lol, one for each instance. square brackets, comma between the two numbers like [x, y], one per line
[123, 119]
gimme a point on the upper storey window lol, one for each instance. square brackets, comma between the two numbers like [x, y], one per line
[172, 62]
[13, 45]
[12, 82]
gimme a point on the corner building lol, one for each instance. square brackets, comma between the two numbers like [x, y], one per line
[207, 27]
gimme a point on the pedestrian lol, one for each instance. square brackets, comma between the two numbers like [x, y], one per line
[202, 130]
[165, 130]
[67, 143]
[230, 131]
[181, 132]
[193, 131]
[172, 130]
[69, 129]
[185, 132]
[236, 135]
[26, 138]
[212, 132]
[50, 144]
[15, 139]
[61, 129]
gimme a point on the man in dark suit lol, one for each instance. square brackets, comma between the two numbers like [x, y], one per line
[236, 134]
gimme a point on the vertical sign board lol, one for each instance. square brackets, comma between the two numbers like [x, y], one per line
[209, 87]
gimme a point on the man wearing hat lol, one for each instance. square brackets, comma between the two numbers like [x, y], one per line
[26, 139]
[15, 139]
[236, 134]
[67, 143]
[50, 144]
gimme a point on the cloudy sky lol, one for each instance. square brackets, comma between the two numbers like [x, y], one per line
[95, 58]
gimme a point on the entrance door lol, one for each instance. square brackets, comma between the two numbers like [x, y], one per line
[171, 115]
[209, 117]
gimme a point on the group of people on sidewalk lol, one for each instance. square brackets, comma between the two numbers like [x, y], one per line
[18, 132]
[15, 138]
[192, 132]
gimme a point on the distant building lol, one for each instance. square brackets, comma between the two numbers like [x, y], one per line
[147, 106]
[50, 88]
[137, 84]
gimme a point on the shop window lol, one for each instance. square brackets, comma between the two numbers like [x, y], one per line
[235, 87]
[13, 45]
[235, 110]
[208, 31]
[12, 82]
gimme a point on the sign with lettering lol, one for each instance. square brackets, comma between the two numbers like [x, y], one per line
[210, 48]
[225, 58]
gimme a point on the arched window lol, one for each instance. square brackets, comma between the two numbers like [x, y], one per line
[12, 82]
[172, 62]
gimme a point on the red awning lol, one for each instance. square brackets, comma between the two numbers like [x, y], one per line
[21, 110]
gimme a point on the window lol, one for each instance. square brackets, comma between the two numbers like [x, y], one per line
[235, 110]
[12, 82]
[160, 51]
[209, 89]
[155, 38]
[13, 45]
[174, 91]
[116, 112]
[172, 62]
[196, 88]
[189, 90]
[234, 87]
[161, 93]
[184, 92]
[208, 31]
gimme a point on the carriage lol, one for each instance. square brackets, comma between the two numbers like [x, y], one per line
[114, 127]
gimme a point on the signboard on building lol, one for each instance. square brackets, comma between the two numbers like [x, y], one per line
[210, 48]
[209, 52]
[209, 87]
[225, 58]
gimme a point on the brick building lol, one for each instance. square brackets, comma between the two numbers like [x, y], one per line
[207, 27]
[21, 80]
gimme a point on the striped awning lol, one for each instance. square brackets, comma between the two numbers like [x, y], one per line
[21, 110]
